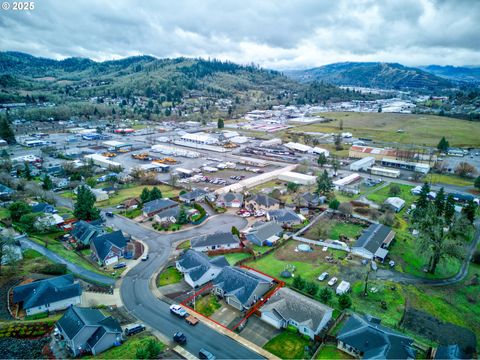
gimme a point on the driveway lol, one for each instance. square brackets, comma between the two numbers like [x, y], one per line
[226, 314]
[258, 331]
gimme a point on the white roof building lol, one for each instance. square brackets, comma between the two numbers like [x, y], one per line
[298, 147]
[200, 138]
[317, 150]
[346, 180]
[395, 203]
[297, 178]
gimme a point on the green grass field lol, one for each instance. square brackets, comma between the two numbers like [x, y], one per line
[331, 352]
[4, 213]
[448, 180]
[288, 346]
[418, 129]
[352, 231]
[207, 305]
[379, 196]
[135, 191]
[128, 350]
[233, 258]
[169, 276]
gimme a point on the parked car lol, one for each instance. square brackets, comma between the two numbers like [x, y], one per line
[134, 329]
[109, 214]
[332, 281]
[178, 310]
[323, 276]
[120, 265]
[205, 354]
[145, 257]
[179, 337]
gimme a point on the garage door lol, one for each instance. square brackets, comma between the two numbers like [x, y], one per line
[233, 302]
[111, 261]
[271, 319]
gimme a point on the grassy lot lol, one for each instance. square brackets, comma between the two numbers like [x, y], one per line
[331, 352]
[184, 245]
[418, 128]
[288, 346]
[4, 213]
[261, 249]
[128, 350]
[379, 196]
[233, 258]
[352, 231]
[448, 180]
[135, 191]
[169, 276]
[68, 195]
[207, 305]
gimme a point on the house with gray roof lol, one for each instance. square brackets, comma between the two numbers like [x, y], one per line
[84, 232]
[262, 202]
[285, 217]
[365, 338]
[230, 200]
[374, 242]
[5, 191]
[239, 287]
[88, 330]
[198, 269]
[217, 241]
[310, 199]
[288, 307]
[264, 233]
[43, 208]
[52, 294]
[195, 195]
[108, 248]
[154, 207]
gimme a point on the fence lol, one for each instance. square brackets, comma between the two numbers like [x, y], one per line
[321, 243]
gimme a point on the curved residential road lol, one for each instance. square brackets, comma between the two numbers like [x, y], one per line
[27, 243]
[411, 279]
[138, 298]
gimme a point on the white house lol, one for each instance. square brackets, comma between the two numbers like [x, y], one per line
[216, 241]
[198, 269]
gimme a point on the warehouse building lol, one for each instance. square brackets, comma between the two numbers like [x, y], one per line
[298, 147]
[200, 138]
[363, 164]
[117, 145]
[347, 180]
[297, 178]
[102, 160]
[380, 171]
[406, 165]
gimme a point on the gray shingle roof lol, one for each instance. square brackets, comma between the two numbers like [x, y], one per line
[75, 318]
[264, 231]
[283, 215]
[374, 340]
[218, 238]
[289, 304]
[192, 195]
[103, 244]
[197, 263]
[373, 237]
[158, 205]
[230, 196]
[84, 232]
[264, 200]
[46, 291]
[238, 282]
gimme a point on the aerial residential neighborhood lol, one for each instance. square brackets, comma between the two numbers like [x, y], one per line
[240, 180]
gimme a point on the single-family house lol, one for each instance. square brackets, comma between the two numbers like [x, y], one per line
[364, 337]
[216, 241]
[169, 215]
[83, 232]
[108, 248]
[48, 220]
[374, 242]
[131, 203]
[52, 294]
[262, 202]
[285, 217]
[100, 194]
[239, 287]
[288, 307]
[198, 269]
[155, 206]
[86, 330]
[395, 203]
[230, 200]
[43, 208]
[195, 195]
[264, 233]
[5, 191]
[310, 199]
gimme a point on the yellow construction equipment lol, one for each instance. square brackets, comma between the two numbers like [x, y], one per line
[141, 156]
[109, 154]
[167, 160]
[230, 145]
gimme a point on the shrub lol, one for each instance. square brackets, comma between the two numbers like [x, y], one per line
[311, 288]
[37, 316]
[344, 301]
[334, 204]
[298, 282]
[292, 329]
[476, 257]
[325, 295]
[54, 269]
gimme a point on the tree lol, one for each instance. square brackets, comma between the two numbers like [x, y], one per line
[91, 182]
[449, 209]
[292, 187]
[220, 124]
[235, 231]
[443, 144]
[6, 131]
[422, 200]
[477, 183]
[182, 218]
[155, 194]
[27, 172]
[84, 208]
[29, 221]
[6, 249]
[334, 204]
[344, 301]
[436, 239]
[18, 209]
[465, 170]
[469, 211]
[324, 184]
[298, 282]
[335, 164]
[145, 195]
[322, 160]
[440, 202]
[346, 208]
[394, 190]
[337, 139]
[325, 295]
[311, 288]
[340, 124]
[47, 183]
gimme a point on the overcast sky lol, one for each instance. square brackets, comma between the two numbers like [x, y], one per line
[281, 34]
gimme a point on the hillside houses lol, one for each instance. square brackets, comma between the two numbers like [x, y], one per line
[108, 248]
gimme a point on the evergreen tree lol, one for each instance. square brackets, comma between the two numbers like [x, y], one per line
[155, 194]
[18, 209]
[422, 200]
[469, 211]
[324, 184]
[344, 301]
[311, 288]
[235, 231]
[220, 124]
[449, 210]
[334, 204]
[325, 295]
[322, 160]
[477, 183]
[443, 144]
[6, 131]
[27, 172]
[440, 202]
[145, 195]
[47, 183]
[84, 208]
[298, 282]
[182, 216]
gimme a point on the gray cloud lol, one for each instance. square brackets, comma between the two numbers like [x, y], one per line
[276, 34]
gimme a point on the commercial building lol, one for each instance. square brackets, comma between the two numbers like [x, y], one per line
[298, 147]
[347, 180]
[317, 150]
[359, 152]
[102, 161]
[363, 164]
[117, 145]
[297, 178]
[200, 138]
[406, 165]
[380, 171]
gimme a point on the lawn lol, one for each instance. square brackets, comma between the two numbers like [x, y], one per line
[128, 350]
[169, 276]
[4, 213]
[331, 352]
[233, 258]
[448, 180]
[184, 245]
[418, 129]
[207, 305]
[135, 191]
[352, 231]
[379, 196]
[288, 346]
